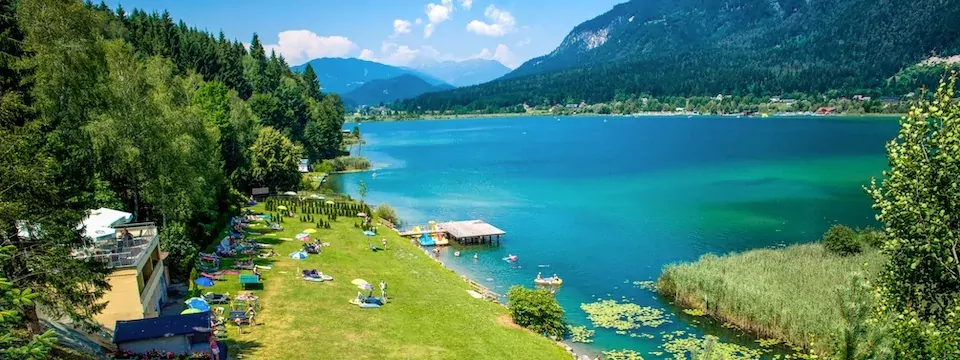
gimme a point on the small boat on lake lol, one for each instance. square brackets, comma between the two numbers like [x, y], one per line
[553, 280]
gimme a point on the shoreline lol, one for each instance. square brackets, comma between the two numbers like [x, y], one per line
[466, 278]
[884, 116]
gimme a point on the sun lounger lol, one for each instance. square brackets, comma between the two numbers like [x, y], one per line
[215, 298]
[239, 315]
[211, 276]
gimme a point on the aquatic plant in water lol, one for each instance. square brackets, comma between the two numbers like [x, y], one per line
[694, 312]
[708, 347]
[611, 314]
[768, 342]
[580, 334]
[622, 355]
[646, 285]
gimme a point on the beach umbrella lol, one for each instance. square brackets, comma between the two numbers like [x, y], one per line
[190, 311]
[299, 256]
[281, 207]
[204, 281]
[309, 231]
[360, 214]
[315, 196]
[362, 284]
[198, 303]
[329, 202]
[291, 193]
[369, 233]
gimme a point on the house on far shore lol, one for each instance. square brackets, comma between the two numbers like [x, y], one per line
[303, 165]
[889, 100]
[826, 110]
[177, 334]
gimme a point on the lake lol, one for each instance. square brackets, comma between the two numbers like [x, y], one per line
[605, 201]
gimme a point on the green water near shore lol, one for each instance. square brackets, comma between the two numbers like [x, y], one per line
[605, 201]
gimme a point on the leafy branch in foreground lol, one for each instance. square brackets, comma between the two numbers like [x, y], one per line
[919, 202]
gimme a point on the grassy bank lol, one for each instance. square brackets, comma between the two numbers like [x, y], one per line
[430, 315]
[788, 294]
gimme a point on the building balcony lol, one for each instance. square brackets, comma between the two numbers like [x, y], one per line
[125, 249]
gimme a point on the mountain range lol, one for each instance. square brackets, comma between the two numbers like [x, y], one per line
[362, 82]
[390, 90]
[706, 47]
[342, 75]
[462, 73]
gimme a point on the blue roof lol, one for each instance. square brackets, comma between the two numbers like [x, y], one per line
[161, 327]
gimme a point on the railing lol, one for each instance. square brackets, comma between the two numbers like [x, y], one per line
[485, 292]
[119, 253]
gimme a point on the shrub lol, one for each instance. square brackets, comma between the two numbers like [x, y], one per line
[346, 163]
[387, 213]
[537, 310]
[870, 237]
[841, 240]
[182, 251]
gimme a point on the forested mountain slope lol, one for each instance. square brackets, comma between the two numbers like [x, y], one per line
[760, 47]
[342, 75]
[390, 90]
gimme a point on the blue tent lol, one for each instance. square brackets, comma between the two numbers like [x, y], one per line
[369, 233]
[204, 281]
[198, 303]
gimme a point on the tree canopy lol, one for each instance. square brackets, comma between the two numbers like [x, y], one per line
[919, 202]
[130, 110]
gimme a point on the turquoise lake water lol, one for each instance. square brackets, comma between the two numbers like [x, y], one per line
[605, 201]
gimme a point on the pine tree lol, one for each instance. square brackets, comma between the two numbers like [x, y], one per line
[311, 83]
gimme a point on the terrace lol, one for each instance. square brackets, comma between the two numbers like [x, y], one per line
[125, 248]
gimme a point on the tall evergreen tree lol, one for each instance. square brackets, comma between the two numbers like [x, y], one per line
[311, 83]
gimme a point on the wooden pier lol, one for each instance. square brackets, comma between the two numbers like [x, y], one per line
[469, 232]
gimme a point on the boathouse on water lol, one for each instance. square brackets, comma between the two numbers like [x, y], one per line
[471, 231]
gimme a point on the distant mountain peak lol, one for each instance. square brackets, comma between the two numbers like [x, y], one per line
[464, 72]
[342, 75]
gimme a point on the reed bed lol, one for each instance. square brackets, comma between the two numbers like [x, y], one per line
[789, 293]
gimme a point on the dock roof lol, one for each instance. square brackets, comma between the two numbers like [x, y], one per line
[469, 229]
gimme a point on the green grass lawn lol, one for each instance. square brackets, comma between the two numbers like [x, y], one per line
[429, 315]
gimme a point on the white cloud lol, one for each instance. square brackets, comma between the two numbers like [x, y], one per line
[524, 42]
[437, 14]
[506, 57]
[401, 26]
[466, 4]
[501, 23]
[402, 55]
[367, 54]
[299, 46]
[418, 21]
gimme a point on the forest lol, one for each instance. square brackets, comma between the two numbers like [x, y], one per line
[660, 48]
[107, 108]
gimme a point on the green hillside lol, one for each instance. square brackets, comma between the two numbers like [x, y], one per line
[704, 48]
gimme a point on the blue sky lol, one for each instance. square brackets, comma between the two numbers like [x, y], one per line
[397, 32]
